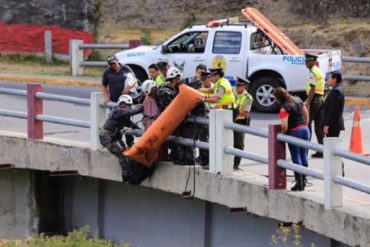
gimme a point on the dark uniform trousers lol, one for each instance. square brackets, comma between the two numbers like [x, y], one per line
[112, 141]
[239, 141]
[316, 116]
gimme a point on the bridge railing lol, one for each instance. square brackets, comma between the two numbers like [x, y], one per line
[76, 53]
[220, 146]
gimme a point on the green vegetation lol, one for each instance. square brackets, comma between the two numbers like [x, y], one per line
[145, 37]
[76, 238]
[288, 234]
[18, 58]
[32, 64]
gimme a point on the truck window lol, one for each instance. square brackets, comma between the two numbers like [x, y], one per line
[192, 42]
[227, 43]
[259, 40]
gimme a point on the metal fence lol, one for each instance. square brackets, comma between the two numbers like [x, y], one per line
[220, 146]
[76, 53]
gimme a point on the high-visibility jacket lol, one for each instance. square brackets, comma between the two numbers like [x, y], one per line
[159, 79]
[317, 78]
[241, 101]
[228, 99]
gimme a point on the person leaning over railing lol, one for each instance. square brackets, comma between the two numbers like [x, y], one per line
[294, 118]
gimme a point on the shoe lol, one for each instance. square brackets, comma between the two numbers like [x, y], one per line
[299, 183]
[317, 155]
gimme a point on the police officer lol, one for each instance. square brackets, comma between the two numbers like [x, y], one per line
[163, 68]
[156, 75]
[119, 117]
[244, 103]
[195, 130]
[223, 96]
[315, 88]
[117, 80]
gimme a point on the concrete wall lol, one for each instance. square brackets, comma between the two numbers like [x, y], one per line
[149, 218]
[18, 211]
[343, 224]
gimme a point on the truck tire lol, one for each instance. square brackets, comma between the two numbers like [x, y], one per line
[139, 73]
[261, 90]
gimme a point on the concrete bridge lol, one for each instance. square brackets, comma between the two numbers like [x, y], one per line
[234, 210]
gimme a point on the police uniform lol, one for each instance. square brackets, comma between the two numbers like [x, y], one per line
[316, 78]
[110, 135]
[224, 91]
[161, 79]
[244, 103]
[198, 131]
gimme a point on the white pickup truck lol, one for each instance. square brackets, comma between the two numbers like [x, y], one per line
[242, 50]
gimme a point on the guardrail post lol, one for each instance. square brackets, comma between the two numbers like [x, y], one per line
[134, 43]
[276, 151]
[35, 129]
[97, 118]
[219, 138]
[48, 46]
[333, 193]
[76, 56]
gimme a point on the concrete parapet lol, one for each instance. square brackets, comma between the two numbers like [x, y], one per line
[349, 224]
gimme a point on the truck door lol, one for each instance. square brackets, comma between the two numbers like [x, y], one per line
[228, 52]
[187, 51]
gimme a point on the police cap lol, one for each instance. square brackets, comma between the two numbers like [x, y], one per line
[216, 70]
[205, 74]
[112, 59]
[310, 57]
[242, 81]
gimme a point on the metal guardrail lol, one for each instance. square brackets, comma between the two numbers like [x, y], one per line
[327, 175]
[104, 46]
[356, 59]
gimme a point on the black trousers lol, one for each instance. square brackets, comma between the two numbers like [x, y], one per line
[316, 116]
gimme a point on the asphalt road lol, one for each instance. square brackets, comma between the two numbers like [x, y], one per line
[252, 143]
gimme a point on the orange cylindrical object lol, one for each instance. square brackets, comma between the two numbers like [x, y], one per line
[145, 150]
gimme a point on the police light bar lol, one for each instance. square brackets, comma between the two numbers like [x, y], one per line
[217, 23]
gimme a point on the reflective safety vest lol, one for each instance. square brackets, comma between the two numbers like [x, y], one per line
[159, 79]
[317, 78]
[228, 99]
[241, 100]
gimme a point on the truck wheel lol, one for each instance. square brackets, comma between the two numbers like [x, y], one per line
[261, 90]
[139, 73]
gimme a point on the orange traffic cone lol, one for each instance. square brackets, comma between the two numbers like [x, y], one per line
[356, 135]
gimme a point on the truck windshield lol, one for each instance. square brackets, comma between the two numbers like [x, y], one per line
[191, 42]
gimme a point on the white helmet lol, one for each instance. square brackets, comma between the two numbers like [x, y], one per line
[173, 72]
[147, 86]
[125, 99]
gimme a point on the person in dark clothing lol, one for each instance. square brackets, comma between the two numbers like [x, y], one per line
[119, 117]
[333, 107]
[117, 80]
[195, 130]
[294, 118]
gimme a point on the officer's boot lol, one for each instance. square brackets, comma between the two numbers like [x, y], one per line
[236, 162]
[298, 182]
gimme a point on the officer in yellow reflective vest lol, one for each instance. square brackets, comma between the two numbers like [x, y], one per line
[223, 96]
[244, 103]
[156, 75]
[163, 68]
[315, 88]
